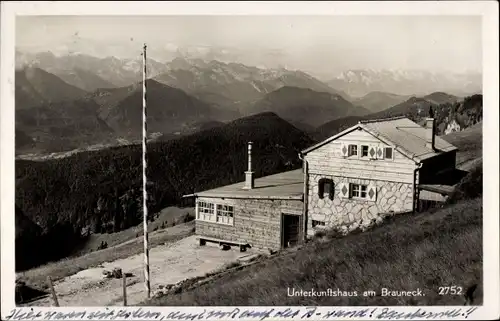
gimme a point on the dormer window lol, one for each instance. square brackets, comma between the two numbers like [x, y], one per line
[364, 151]
[388, 152]
[325, 188]
[353, 150]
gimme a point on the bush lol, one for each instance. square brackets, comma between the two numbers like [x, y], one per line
[231, 265]
[102, 246]
[320, 234]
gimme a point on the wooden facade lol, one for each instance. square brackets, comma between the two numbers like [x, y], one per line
[329, 160]
[269, 215]
[259, 223]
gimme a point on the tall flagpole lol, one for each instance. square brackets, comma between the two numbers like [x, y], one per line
[144, 177]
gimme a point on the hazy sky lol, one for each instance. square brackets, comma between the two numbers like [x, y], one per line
[317, 43]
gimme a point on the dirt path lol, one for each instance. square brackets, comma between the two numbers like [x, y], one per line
[169, 264]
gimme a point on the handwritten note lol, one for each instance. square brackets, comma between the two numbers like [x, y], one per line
[241, 313]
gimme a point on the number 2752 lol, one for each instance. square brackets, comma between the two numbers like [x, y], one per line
[450, 290]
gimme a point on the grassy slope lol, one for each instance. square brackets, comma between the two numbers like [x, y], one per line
[426, 250]
[469, 142]
[168, 216]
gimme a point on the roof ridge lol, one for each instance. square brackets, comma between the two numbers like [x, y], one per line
[380, 119]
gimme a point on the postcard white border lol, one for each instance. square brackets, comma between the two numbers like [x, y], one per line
[487, 9]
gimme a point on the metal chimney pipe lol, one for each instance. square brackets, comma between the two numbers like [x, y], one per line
[249, 156]
[249, 180]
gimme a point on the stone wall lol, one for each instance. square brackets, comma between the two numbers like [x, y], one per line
[338, 212]
[257, 222]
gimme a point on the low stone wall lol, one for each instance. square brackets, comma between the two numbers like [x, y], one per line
[391, 197]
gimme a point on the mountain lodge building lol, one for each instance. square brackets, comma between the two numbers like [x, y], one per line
[374, 168]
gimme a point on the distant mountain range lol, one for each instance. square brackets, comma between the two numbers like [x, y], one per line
[92, 100]
[88, 72]
[234, 85]
[168, 109]
[358, 83]
[53, 116]
[91, 110]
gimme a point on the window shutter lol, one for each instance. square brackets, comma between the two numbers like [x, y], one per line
[371, 192]
[380, 152]
[321, 188]
[344, 190]
[372, 152]
[344, 150]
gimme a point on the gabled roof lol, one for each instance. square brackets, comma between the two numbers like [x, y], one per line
[404, 135]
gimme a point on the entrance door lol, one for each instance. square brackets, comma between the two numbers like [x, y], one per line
[290, 229]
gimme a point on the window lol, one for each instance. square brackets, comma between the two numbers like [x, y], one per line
[364, 151]
[325, 188]
[205, 211]
[216, 213]
[358, 191]
[225, 214]
[388, 152]
[353, 150]
[317, 223]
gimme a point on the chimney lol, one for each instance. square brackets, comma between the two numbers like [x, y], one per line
[430, 132]
[249, 180]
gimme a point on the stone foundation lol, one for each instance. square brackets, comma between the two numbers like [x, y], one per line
[391, 198]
